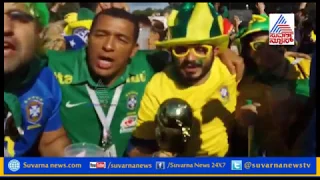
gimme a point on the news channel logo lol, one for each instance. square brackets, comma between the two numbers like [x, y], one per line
[97, 165]
[281, 29]
[236, 165]
[160, 165]
[14, 165]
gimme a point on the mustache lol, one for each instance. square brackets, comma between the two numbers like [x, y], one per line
[196, 63]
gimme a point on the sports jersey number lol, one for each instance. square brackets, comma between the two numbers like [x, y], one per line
[10, 146]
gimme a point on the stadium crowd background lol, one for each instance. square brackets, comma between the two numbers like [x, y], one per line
[238, 15]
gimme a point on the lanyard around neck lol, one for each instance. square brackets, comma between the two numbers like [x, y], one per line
[105, 120]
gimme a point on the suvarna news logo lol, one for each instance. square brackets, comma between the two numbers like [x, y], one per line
[281, 29]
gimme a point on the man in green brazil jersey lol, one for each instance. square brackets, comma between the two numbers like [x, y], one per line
[102, 85]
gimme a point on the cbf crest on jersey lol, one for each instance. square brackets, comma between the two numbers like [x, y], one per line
[34, 108]
[281, 29]
[132, 100]
[224, 92]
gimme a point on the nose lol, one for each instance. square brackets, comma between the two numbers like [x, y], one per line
[8, 26]
[191, 56]
[109, 44]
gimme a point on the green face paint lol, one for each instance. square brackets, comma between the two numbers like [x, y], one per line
[200, 61]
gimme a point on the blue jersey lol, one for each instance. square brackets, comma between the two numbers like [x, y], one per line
[39, 104]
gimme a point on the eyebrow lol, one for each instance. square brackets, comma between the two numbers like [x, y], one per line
[16, 9]
[21, 13]
[115, 33]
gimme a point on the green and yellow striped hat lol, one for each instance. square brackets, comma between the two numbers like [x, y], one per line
[195, 23]
[258, 23]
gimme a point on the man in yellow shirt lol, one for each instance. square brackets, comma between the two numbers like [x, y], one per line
[198, 77]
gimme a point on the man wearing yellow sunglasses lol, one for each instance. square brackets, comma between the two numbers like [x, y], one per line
[278, 87]
[198, 77]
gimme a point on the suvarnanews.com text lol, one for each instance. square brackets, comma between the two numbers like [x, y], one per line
[51, 165]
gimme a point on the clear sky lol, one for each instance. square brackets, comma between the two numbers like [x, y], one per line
[145, 5]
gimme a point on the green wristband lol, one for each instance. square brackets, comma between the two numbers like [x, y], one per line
[249, 101]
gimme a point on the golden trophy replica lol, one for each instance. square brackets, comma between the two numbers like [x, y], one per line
[173, 126]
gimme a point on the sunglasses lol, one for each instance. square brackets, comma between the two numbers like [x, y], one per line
[200, 51]
[20, 16]
[255, 45]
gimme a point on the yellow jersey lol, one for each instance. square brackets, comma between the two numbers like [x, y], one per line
[301, 65]
[212, 102]
[313, 36]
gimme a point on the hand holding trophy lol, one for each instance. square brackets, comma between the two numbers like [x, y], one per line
[173, 127]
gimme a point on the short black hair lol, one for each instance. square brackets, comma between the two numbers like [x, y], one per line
[120, 13]
[158, 27]
[92, 6]
[144, 20]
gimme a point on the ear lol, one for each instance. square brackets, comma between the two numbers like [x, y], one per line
[39, 28]
[216, 51]
[41, 33]
[134, 50]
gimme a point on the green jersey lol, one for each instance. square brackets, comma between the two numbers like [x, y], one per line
[89, 107]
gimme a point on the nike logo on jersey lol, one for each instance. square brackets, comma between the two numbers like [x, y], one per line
[69, 105]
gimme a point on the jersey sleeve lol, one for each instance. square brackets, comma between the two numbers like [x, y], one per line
[145, 128]
[230, 82]
[232, 86]
[54, 121]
